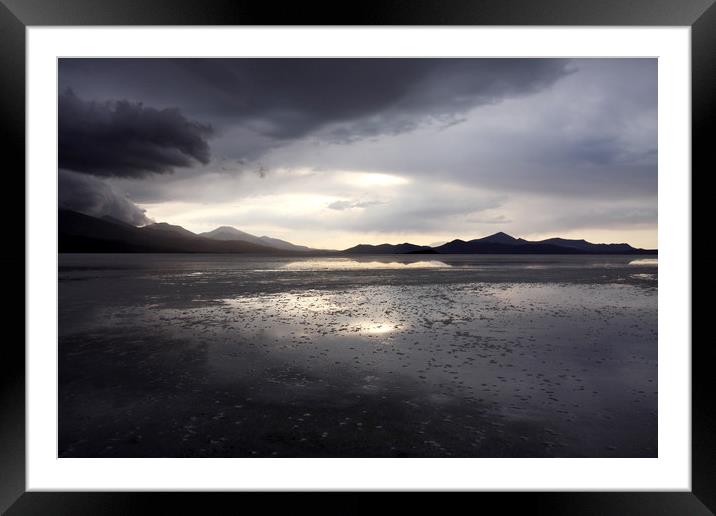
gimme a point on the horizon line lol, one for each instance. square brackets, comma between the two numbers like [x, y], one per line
[362, 243]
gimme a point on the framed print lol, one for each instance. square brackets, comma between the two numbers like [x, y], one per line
[417, 248]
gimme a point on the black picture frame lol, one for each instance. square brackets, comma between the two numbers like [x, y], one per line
[16, 15]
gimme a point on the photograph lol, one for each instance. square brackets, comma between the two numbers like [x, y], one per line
[348, 257]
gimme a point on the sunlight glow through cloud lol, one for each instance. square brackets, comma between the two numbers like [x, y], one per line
[367, 180]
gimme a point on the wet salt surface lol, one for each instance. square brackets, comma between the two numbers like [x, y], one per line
[487, 356]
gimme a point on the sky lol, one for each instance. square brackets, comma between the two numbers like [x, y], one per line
[331, 153]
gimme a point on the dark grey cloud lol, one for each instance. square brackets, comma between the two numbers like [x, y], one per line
[592, 134]
[93, 196]
[126, 139]
[286, 99]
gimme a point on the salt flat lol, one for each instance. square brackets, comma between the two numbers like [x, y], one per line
[444, 356]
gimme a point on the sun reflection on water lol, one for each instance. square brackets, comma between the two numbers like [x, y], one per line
[376, 328]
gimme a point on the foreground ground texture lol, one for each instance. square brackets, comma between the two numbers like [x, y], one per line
[463, 356]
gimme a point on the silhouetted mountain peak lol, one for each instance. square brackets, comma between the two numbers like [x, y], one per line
[499, 238]
[231, 233]
[164, 226]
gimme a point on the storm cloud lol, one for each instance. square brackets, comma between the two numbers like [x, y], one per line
[122, 138]
[93, 196]
[280, 100]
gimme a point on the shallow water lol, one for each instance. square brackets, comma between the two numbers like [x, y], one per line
[481, 356]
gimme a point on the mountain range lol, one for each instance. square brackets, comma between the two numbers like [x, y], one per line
[502, 243]
[80, 233]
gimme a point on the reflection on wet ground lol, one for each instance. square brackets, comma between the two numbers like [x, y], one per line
[206, 356]
[349, 264]
[645, 261]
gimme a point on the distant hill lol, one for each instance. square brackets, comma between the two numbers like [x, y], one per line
[282, 244]
[588, 246]
[482, 247]
[502, 243]
[228, 233]
[169, 228]
[500, 238]
[79, 233]
[387, 249]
